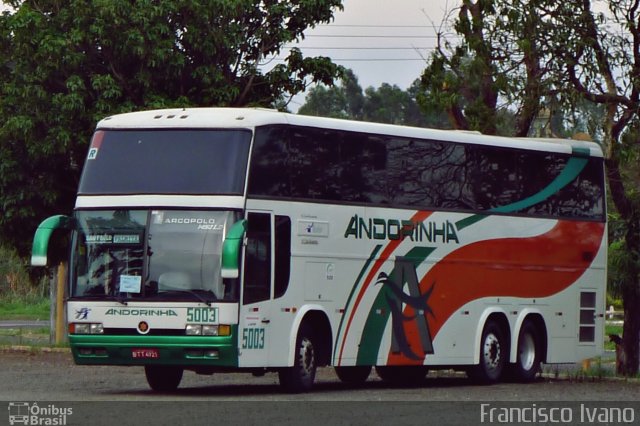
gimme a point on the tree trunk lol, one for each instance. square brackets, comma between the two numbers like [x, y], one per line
[630, 214]
[631, 302]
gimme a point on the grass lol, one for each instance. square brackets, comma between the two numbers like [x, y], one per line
[24, 309]
[20, 298]
[611, 329]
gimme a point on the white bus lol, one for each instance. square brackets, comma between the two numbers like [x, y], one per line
[219, 240]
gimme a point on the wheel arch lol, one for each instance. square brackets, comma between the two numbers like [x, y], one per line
[500, 317]
[536, 318]
[317, 318]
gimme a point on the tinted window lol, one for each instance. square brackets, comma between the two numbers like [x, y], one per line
[350, 167]
[166, 162]
[257, 263]
[282, 270]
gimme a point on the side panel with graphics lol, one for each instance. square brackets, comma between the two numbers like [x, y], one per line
[410, 288]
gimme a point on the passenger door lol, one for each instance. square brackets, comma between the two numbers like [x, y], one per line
[257, 291]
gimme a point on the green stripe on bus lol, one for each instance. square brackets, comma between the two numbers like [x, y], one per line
[364, 269]
[374, 327]
[571, 171]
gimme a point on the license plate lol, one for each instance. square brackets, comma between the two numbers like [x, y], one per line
[145, 353]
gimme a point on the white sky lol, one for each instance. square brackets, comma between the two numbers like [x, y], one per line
[382, 41]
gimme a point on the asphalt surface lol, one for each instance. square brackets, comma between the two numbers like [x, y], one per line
[107, 395]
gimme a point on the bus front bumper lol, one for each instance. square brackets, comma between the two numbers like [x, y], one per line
[166, 350]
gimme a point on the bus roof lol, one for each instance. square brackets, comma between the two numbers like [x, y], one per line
[249, 118]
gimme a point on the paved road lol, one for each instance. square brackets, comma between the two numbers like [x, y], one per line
[24, 324]
[120, 395]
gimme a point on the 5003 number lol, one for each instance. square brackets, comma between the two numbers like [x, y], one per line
[202, 314]
[253, 338]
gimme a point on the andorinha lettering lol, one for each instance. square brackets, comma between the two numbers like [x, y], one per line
[396, 229]
[142, 312]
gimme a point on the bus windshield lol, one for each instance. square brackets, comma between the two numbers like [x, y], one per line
[153, 162]
[157, 254]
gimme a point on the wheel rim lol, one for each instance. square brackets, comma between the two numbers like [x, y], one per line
[527, 352]
[491, 353]
[307, 358]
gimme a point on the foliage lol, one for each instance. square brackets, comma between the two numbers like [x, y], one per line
[496, 78]
[14, 278]
[66, 64]
[19, 299]
[385, 104]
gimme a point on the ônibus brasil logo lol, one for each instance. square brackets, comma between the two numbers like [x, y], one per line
[26, 413]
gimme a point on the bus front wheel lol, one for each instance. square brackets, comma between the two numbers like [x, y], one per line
[163, 378]
[300, 377]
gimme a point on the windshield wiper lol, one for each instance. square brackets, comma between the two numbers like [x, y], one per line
[195, 293]
[120, 299]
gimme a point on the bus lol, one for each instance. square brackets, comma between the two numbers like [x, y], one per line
[224, 240]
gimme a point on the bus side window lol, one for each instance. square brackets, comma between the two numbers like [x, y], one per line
[282, 255]
[257, 265]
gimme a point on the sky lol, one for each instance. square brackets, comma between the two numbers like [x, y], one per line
[382, 41]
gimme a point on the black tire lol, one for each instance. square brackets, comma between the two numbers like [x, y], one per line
[403, 375]
[493, 355]
[355, 375]
[163, 378]
[301, 376]
[529, 353]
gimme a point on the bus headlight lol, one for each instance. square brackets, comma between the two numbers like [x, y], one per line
[207, 330]
[193, 330]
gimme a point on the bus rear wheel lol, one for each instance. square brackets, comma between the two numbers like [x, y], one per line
[493, 355]
[528, 355]
[354, 375]
[301, 376]
[163, 378]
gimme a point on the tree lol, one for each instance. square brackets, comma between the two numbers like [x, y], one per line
[385, 104]
[494, 79]
[558, 55]
[344, 100]
[66, 64]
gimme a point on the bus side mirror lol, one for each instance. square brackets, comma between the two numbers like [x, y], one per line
[231, 250]
[43, 235]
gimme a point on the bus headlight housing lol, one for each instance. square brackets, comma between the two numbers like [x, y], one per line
[207, 330]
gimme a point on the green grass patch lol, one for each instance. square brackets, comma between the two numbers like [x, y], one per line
[20, 298]
[27, 308]
[611, 329]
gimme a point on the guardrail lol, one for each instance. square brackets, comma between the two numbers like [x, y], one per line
[614, 317]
